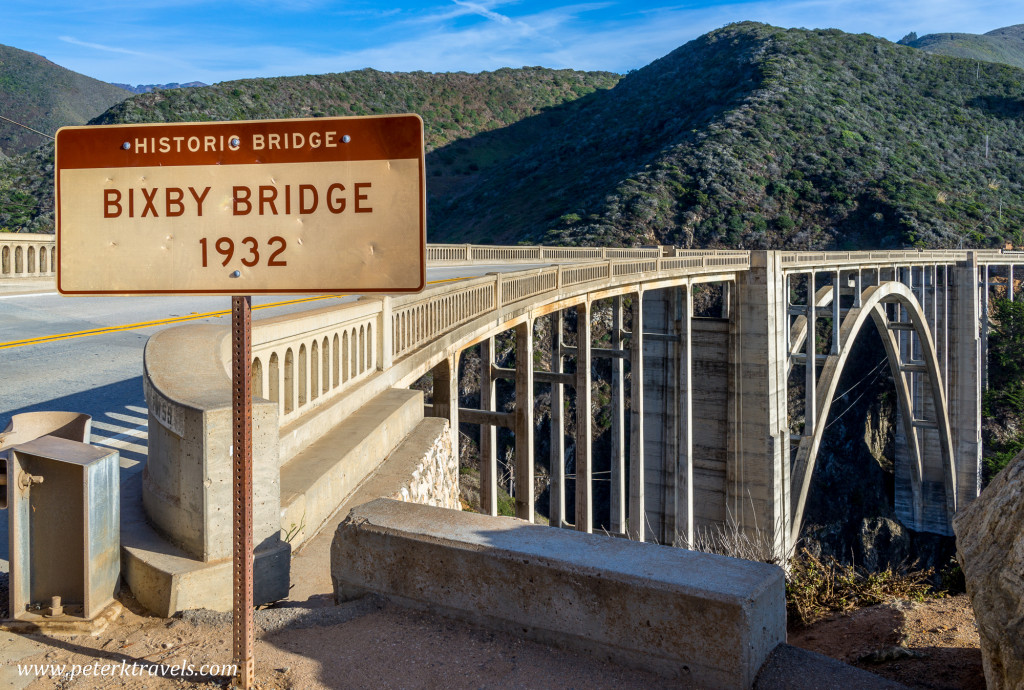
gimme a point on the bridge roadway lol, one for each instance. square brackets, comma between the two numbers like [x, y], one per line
[84, 354]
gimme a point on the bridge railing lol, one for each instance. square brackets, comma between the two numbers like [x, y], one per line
[903, 257]
[32, 254]
[440, 254]
[24, 254]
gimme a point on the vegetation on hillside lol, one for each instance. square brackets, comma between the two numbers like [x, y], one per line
[754, 136]
[45, 96]
[1004, 45]
[26, 191]
[453, 105]
[455, 108]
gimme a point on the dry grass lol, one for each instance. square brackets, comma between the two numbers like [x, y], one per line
[730, 540]
[817, 587]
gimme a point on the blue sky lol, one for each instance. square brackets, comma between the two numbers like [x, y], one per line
[142, 41]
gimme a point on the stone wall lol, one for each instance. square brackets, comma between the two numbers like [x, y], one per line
[422, 469]
[434, 478]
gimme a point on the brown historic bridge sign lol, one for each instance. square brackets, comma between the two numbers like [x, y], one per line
[238, 208]
[241, 208]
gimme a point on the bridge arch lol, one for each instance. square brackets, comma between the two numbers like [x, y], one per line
[873, 302]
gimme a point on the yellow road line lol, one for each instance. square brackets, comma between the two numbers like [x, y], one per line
[169, 321]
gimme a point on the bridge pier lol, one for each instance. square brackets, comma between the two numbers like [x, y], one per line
[618, 425]
[488, 432]
[446, 395]
[584, 418]
[637, 476]
[758, 481]
[524, 493]
[965, 377]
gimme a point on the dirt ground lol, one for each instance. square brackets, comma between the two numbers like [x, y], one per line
[371, 644]
[362, 644]
[932, 644]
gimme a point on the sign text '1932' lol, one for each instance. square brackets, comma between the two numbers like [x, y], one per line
[225, 246]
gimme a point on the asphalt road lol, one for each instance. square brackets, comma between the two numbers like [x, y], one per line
[84, 354]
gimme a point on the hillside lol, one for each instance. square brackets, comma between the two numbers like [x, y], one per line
[751, 136]
[754, 136]
[455, 107]
[1004, 45]
[45, 96]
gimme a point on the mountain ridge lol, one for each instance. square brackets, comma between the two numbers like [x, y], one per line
[1005, 45]
[147, 88]
[45, 96]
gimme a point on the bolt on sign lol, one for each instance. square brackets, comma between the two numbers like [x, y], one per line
[242, 208]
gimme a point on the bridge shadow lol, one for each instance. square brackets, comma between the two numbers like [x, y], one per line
[95, 401]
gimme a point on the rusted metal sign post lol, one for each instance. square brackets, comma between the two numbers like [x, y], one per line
[320, 205]
[242, 552]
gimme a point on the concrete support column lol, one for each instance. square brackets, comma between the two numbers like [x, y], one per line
[811, 367]
[757, 470]
[946, 291]
[584, 466]
[618, 426]
[836, 314]
[524, 493]
[984, 327]
[1009, 283]
[637, 512]
[446, 395]
[386, 336]
[965, 366]
[557, 459]
[684, 475]
[488, 432]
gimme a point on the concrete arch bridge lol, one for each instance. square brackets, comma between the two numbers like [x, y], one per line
[707, 434]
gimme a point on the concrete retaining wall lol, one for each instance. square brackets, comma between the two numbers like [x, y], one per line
[428, 465]
[704, 620]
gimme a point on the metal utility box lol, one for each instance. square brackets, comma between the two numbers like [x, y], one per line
[63, 501]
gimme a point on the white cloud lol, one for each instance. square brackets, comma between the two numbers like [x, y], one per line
[483, 11]
[97, 46]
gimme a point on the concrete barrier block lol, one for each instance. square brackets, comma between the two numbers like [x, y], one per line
[704, 620]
